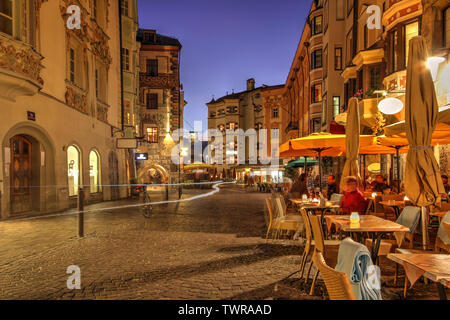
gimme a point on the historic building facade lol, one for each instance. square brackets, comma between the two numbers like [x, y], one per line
[161, 102]
[244, 110]
[130, 78]
[60, 105]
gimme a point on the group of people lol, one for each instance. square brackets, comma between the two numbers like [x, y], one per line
[353, 199]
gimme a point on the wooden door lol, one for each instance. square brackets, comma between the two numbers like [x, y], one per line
[21, 173]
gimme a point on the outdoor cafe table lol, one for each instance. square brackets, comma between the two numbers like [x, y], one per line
[435, 267]
[394, 204]
[367, 223]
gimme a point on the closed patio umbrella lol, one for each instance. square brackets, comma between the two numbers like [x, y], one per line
[423, 184]
[351, 167]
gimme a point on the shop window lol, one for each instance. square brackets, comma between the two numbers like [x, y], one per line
[73, 170]
[94, 172]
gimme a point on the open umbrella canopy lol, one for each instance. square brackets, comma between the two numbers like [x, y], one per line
[327, 144]
[300, 163]
[197, 165]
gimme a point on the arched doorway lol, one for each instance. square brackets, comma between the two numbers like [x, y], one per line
[113, 175]
[21, 174]
[29, 174]
[153, 174]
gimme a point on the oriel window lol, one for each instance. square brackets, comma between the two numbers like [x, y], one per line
[152, 101]
[6, 17]
[152, 67]
[317, 25]
[316, 59]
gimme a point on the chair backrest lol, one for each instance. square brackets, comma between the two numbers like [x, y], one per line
[442, 235]
[280, 210]
[269, 209]
[336, 197]
[337, 283]
[409, 217]
[317, 231]
[307, 225]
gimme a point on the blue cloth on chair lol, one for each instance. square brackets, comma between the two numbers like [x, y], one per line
[354, 259]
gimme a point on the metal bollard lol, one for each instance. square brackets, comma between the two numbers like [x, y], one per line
[167, 192]
[80, 212]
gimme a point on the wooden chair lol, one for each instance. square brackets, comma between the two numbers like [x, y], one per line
[337, 283]
[319, 244]
[389, 213]
[308, 243]
[279, 223]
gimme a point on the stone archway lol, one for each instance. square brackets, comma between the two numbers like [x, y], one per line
[29, 171]
[145, 174]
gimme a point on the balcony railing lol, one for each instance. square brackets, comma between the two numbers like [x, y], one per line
[20, 68]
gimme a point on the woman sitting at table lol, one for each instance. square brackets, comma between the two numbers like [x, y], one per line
[353, 200]
[299, 187]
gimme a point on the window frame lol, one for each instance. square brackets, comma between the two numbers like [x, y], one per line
[98, 186]
[336, 49]
[314, 59]
[154, 67]
[314, 26]
[11, 17]
[152, 96]
[318, 93]
[78, 183]
[152, 132]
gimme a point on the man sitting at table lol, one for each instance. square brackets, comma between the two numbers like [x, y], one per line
[332, 186]
[379, 185]
[353, 200]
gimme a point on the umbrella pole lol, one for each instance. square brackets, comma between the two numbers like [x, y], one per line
[306, 164]
[364, 171]
[398, 170]
[424, 228]
[320, 172]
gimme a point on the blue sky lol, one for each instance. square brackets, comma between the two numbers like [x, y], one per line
[225, 42]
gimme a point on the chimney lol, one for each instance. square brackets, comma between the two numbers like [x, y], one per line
[250, 84]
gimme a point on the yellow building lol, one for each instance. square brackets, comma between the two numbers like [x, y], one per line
[60, 105]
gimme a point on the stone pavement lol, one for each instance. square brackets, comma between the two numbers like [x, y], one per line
[210, 248]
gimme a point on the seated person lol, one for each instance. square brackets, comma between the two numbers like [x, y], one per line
[353, 200]
[379, 185]
[332, 186]
[445, 182]
[299, 187]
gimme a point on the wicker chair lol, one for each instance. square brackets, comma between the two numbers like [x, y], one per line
[308, 244]
[336, 282]
[319, 244]
[279, 223]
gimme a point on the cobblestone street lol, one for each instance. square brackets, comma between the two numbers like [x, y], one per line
[210, 248]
